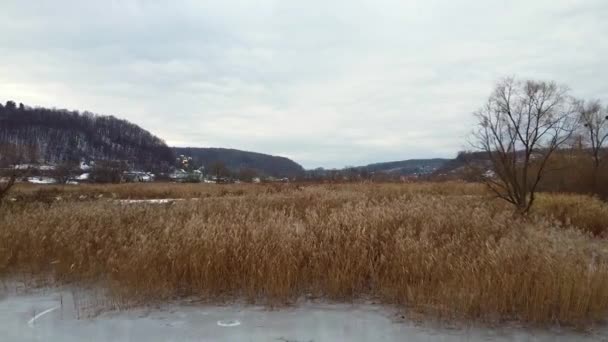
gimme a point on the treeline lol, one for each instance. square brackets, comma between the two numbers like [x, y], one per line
[574, 171]
[42, 135]
[536, 137]
[237, 161]
[571, 169]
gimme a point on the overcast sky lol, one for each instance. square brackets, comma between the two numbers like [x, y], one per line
[326, 83]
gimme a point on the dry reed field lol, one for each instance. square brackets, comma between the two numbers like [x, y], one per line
[445, 249]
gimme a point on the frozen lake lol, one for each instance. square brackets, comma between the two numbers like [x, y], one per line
[55, 315]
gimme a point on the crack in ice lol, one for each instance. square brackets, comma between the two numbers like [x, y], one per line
[33, 320]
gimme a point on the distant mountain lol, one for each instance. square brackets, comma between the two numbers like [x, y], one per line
[236, 160]
[42, 135]
[457, 165]
[407, 167]
[56, 135]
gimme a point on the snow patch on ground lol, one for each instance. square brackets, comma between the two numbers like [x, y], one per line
[150, 201]
[155, 200]
[41, 180]
[84, 176]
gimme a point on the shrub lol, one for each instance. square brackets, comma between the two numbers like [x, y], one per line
[584, 212]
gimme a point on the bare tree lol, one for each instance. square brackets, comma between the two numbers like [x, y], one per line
[519, 128]
[219, 170]
[594, 118]
[6, 186]
[108, 171]
[8, 172]
[65, 171]
[247, 174]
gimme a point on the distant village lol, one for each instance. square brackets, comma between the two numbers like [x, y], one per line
[187, 171]
[117, 172]
[93, 172]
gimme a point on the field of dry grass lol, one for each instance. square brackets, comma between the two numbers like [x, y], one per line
[444, 249]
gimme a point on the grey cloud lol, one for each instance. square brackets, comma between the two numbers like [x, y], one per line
[326, 83]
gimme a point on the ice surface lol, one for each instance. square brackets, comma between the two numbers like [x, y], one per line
[56, 316]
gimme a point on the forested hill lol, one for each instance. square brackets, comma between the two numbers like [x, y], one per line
[407, 167]
[56, 135]
[237, 160]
